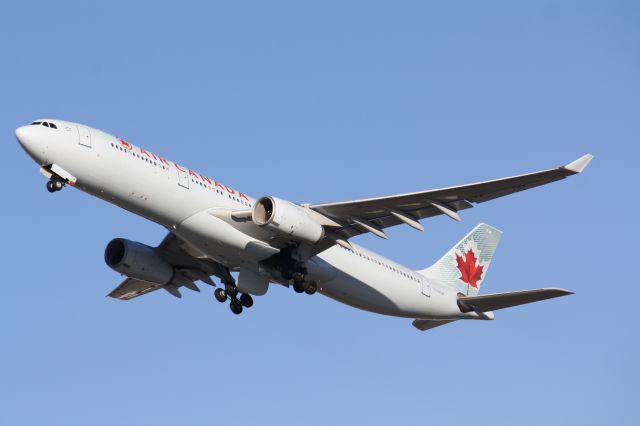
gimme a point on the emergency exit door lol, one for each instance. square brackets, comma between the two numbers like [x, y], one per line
[85, 136]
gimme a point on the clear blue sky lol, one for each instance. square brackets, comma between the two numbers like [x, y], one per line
[322, 102]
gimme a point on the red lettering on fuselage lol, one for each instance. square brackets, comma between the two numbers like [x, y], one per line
[125, 144]
[148, 154]
[203, 178]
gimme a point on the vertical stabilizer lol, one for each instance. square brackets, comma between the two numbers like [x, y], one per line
[465, 266]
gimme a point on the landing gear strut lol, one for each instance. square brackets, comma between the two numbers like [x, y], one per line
[55, 184]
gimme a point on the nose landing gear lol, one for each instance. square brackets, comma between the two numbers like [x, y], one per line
[55, 184]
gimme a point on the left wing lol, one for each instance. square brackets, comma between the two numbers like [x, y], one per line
[189, 264]
[132, 287]
[374, 214]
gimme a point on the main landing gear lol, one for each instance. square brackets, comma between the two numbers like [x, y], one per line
[55, 184]
[230, 292]
[301, 286]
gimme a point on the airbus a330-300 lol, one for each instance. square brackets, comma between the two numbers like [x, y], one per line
[215, 230]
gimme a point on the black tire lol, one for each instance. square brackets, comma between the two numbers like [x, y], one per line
[311, 288]
[50, 187]
[298, 286]
[246, 300]
[236, 307]
[220, 295]
[57, 184]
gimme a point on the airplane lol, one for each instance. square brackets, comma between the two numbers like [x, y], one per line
[216, 230]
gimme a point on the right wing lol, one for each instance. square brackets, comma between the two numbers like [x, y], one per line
[189, 264]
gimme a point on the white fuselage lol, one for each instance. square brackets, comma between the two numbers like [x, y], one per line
[197, 209]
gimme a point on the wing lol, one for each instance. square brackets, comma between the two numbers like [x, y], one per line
[132, 287]
[189, 264]
[374, 214]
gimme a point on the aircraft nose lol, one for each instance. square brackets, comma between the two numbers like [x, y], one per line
[22, 134]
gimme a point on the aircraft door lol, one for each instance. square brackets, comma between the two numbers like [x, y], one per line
[84, 136]
[426, 287]
[183, 178]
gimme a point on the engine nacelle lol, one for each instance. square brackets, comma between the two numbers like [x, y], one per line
[286, 219]
[137, 260]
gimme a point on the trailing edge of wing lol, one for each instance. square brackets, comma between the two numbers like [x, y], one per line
[492, 302]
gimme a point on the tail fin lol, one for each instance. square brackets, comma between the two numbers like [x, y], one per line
[465, 266]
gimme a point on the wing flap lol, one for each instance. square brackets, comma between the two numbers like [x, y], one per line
[492, 302]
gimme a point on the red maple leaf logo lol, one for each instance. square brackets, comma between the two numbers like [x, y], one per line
[470, 273]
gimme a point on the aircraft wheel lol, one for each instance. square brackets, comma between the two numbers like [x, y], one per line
[220, 295]
[311, 288]
[246, 300]
[50, 186]
[57, 184]
[235, 306]
[298, 286]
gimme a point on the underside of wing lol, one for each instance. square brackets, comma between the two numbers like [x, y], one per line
[375, 214]
[131, 288]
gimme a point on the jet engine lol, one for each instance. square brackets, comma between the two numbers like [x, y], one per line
[137, 260]
[286, 219]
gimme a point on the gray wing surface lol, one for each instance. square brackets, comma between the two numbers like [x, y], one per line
[131, 288]
[359, 216]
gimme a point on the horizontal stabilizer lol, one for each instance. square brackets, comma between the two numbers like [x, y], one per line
[492, 302]
[424, 325]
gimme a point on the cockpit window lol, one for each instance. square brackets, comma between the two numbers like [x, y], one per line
[44, 123]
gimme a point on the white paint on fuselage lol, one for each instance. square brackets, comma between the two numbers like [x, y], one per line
[151, 186]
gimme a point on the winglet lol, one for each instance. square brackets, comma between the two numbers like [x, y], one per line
[580, 164]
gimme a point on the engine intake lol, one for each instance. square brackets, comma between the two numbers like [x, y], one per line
[139, 261]
[287, 219]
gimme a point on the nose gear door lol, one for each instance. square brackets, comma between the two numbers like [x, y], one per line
[84, 136]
